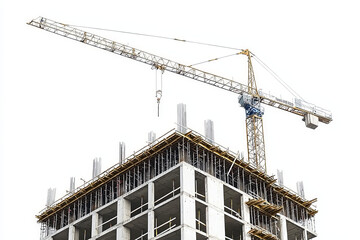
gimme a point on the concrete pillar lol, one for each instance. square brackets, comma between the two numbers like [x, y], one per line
[187, 179]
[187, 233]
[305, 234]
[215, 211]
[77, 234]
[123, 210]
[151, 224]
[71, 232]
[187, 212]
[122, 233]
[151, 195]
[151, 214]
[246, 217]
[123, 214]
[96, 221]
[283, 228]
[187, 202]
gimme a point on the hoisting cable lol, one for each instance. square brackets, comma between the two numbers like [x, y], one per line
[282, 82]
[158, 93]
[214, 59]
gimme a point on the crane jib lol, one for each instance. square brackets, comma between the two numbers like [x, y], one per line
[170, 66]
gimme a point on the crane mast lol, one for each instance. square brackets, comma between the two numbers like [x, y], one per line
[254, 123]
[249, 96]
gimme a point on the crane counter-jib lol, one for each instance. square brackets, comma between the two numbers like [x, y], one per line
[298, 107]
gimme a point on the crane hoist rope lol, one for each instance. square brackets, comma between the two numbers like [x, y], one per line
[249, 97]
[158, 87]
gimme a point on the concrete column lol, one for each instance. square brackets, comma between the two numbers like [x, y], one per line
[283, 228]
[151, 214]
[123, 214]
[187, 202]
[151, 195]
[122, 233]
[123, 210]
[96, 220]
[305, 234]
[246, 217]
[100, 222]
[187, 233]
[77, 234]
[71, 232]
[187, 179]
[151, 224]
[215, 211]
[187, 212]
[74, 233]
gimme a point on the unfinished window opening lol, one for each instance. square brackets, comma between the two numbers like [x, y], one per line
[200, 186]
[83, 229]
[139, 201]
[62, 235]
[233, 229]
[138, 228]
[167, 186]
[167, 217]
[294, 232]
[107, 218]
[232, 201]
[200, 216]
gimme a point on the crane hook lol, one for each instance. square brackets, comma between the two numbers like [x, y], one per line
[158, 97]
[158, 86]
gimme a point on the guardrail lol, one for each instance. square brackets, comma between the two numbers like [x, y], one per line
[166, 230]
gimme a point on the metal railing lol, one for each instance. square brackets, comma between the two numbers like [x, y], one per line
[138, 208]
[141, 237]
[167, 229]
[166, 195]
[232, 212]
[199, 224]
[198, 195]
[108, 221]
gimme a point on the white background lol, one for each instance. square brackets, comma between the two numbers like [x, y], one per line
[64, 103]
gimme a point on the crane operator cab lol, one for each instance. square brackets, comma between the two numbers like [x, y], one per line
[251, 105]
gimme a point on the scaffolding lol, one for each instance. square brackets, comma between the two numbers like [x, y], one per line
[165, 153]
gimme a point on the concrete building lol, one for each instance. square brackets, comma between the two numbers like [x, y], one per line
[181, 186]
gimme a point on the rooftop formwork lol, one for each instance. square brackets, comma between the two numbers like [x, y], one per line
[262, 208]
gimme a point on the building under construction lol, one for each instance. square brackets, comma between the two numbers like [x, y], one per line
[180, 186]
[184, 185]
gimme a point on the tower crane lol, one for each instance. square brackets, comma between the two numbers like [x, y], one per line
[250, 98]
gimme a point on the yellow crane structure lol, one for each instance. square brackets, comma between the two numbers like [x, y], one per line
[250, 98]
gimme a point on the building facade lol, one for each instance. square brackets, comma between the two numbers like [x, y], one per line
[180, 187]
